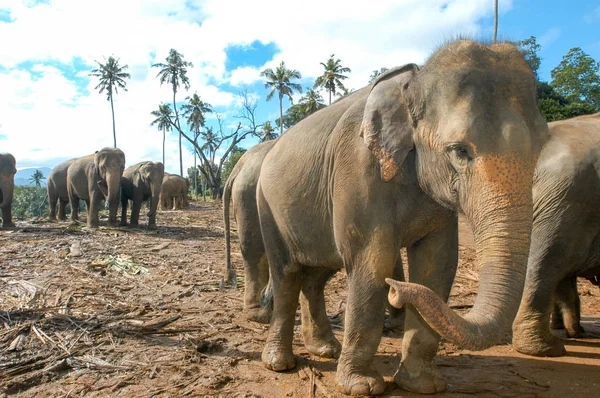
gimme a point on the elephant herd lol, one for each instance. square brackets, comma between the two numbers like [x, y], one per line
[97, 177]
[391, 166]
[387, 167]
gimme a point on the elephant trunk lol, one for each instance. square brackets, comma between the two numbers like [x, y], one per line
[502, 217]
[7, 187]
[155, 187]
[113, 194]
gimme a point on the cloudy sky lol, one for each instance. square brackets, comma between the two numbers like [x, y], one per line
[50, 111]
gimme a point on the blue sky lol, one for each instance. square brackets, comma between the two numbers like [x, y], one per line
[50, 111]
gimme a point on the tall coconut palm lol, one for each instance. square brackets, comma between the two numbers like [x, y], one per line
[495, 20]
[194, 111]
[112, 77]
[37, 178]
[332, 78]
[268, 132]
[312, 101]
[163, 122]
[280, 81]
[174, 72]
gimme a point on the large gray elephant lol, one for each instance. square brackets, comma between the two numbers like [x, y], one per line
[94, 178]
[174, 192]
[141, 182]
[241, 189]
[388, 167]
[565, 239]
[57, 190]
[8, 169]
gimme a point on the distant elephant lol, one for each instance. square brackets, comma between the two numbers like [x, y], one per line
[94, 178]
[174, 191]
[8, 170]
[57, 190]
[388, 167]
[141, 182]
[565, 240]
[241, 188]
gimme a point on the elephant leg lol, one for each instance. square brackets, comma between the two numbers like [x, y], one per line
[432, 262]
[365, 313]
[52, 202]
[124, 205]
[135, 212]
[93, 209]
[318, 337]
[556, 321]
[62, 209]
[396, 315]
[567, 299]
[256, 275]
[7, 221]
[74, 201]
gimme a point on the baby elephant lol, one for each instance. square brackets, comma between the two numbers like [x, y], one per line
[57, 190]
[7, 185]
[565, 241]
[141, 182]
[174, 192]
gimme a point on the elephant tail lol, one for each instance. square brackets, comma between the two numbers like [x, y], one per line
[230, 274]
[266, 296]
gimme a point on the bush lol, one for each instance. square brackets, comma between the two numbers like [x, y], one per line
[29, 202]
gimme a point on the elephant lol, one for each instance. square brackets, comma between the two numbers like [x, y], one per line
[173, 194]
[565, 241]
[93, 178]
[241, 188]
[141, 182]
[8, 169]
[57, 190]
[390, 166]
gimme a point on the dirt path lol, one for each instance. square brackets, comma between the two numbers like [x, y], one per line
[138, 313]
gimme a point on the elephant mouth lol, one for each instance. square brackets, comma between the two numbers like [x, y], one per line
[103, 187]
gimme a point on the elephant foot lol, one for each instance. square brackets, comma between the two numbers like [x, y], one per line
[421, 377]
[8, 225]
[259, 315]
[134, 225]
[575, 331]
[152, 226]
[324, 348]
[538, 347]
[278, 358]
[359, 383]
[52, 219]
[112, 223]
[123, 224]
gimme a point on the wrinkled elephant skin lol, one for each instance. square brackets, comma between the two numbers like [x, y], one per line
[8, 169]
[141, 182]
[57, 190]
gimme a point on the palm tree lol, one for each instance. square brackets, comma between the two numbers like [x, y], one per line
[194, 110]
[333, 76]
[280, 81]
[495, 20]
[175, 73]
[112, 77]
[163, 122]
[37, 178]
[268, 132]
[312, 101]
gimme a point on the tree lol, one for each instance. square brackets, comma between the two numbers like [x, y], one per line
[112, 77]
[495, 20]
[37, 178]
[174, 72]
[332, 78]
[268, 132]
[376, 74]
[194, 111]
[163, 122]
[576, 78]
[312, 101]
[280, 81]
[228, 166]
[530, 48]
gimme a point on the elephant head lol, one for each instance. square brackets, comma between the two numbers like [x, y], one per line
[470, 116]
[109, 164]
[7, 179]
[152, 174]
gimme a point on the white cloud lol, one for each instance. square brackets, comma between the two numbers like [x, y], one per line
[42, 108]
[549, 37]
[592, 16]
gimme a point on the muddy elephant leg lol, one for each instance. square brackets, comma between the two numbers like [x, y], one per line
[62, 209]
[256, 274]
[567, 299]
[556, 321]
[318, 337]
[7, 221]
[124, 205]
[135, 212]
[74, 201]
[396, 315]
[52, 202]
[93, 209]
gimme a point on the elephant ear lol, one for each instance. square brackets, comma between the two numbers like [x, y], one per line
[98, 177]
[387, 125]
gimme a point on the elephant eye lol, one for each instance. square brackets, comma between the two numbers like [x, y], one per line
[460, 151]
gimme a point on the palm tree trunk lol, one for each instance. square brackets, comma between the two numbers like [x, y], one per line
[164, 134]
[329, 97]
[280, 114]
[195, 179]
[112, 109]
[495, 20]
[179, 130]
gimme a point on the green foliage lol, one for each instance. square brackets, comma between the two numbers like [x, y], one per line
[112, 77]
[230, 163]
[530, 48]
[29, 202]
[268, 132]
[37, 178]
[376, 73]
[332, 77]
[311, 102]
[576, 78]
[280, 81]
[174, 72]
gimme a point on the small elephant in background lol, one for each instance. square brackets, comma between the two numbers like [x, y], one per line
[57, 190]
[8, 170]
[141, 182]
[93, 178]
[565, 242]
[174, 191]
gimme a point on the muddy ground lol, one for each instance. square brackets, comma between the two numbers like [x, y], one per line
[138, 313]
